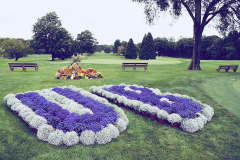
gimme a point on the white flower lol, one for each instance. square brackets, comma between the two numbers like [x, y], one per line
[87, 137]
[23, 111]
[162, 114]
[25, 114]
[121, 99]
[152, 110]
[114, 132]
[37, 121]
[121, 125]
[103, 136]
[93, 89]
[167, 100]
[138, 91]
[29, 117]
[13, 107]
[20, 107]
[128, 89]
[135, 104]
[44, 132]
[7, 97]
[70, 138]
[156, 91]
[127, 102]
[190, 125]
[11, 101]
[144, 108]
[83, 111]
[174, 118]
[56, 137]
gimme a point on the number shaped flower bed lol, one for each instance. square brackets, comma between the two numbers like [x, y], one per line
[69, 115]
[180, 110]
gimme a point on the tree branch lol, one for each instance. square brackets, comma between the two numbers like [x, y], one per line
[188, 9]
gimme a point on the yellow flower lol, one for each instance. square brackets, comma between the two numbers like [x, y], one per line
[98, 72]
[81, 74]
[70, 67]
[86, 77]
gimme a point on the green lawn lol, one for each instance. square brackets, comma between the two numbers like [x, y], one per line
[144, 138]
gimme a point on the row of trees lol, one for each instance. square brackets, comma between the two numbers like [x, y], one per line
[49, 37]
[212, 47]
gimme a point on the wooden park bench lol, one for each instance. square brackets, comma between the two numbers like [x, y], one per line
[227, 68]
[134, 66]
[24, 66]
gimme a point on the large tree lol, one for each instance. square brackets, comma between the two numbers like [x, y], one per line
[147, 50]
[131, 50]
[87, 42]
[50, 38]
[117, 43]
[225, 12]
[15, 48]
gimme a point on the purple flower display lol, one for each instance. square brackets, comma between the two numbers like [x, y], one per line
[64, 120]
[182, 106]
[102, 114]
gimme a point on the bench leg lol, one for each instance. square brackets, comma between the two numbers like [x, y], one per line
[134, 69]
[123, 68]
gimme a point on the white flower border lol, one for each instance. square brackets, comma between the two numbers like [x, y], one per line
[188, 125]
[47, 133]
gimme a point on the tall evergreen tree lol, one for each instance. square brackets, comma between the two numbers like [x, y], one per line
[147, 48]
[141, 48]
[131, 51]
[117, 43]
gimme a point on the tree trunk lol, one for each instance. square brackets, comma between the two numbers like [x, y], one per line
[197, 35]
[195, 62]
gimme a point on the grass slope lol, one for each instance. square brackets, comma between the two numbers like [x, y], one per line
[222, 91]
[144, 138]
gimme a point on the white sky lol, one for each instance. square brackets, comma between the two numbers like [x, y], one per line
[108, 20]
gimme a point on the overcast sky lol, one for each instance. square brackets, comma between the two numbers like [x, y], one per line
[108, 20]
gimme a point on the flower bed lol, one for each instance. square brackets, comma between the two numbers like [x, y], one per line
[69, 115]
[179, 110]
[76, 72]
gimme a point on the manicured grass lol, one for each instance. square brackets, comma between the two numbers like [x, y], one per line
[144, 138]
[225, 91]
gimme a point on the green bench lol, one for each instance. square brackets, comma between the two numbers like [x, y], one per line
[24, 66]
[227, 68]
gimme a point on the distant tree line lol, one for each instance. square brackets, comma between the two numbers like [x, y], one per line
[212, 47]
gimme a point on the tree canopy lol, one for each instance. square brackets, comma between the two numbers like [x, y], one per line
[87, 42]
[147, 50]
[15, 48]
[131, 50]
[117, 43]
[50, 38]
[225, 12]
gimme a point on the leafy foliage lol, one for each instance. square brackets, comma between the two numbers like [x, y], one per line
[87, 42]
[15, 48]
[50, 38]
[117, 43]
[107, 49]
